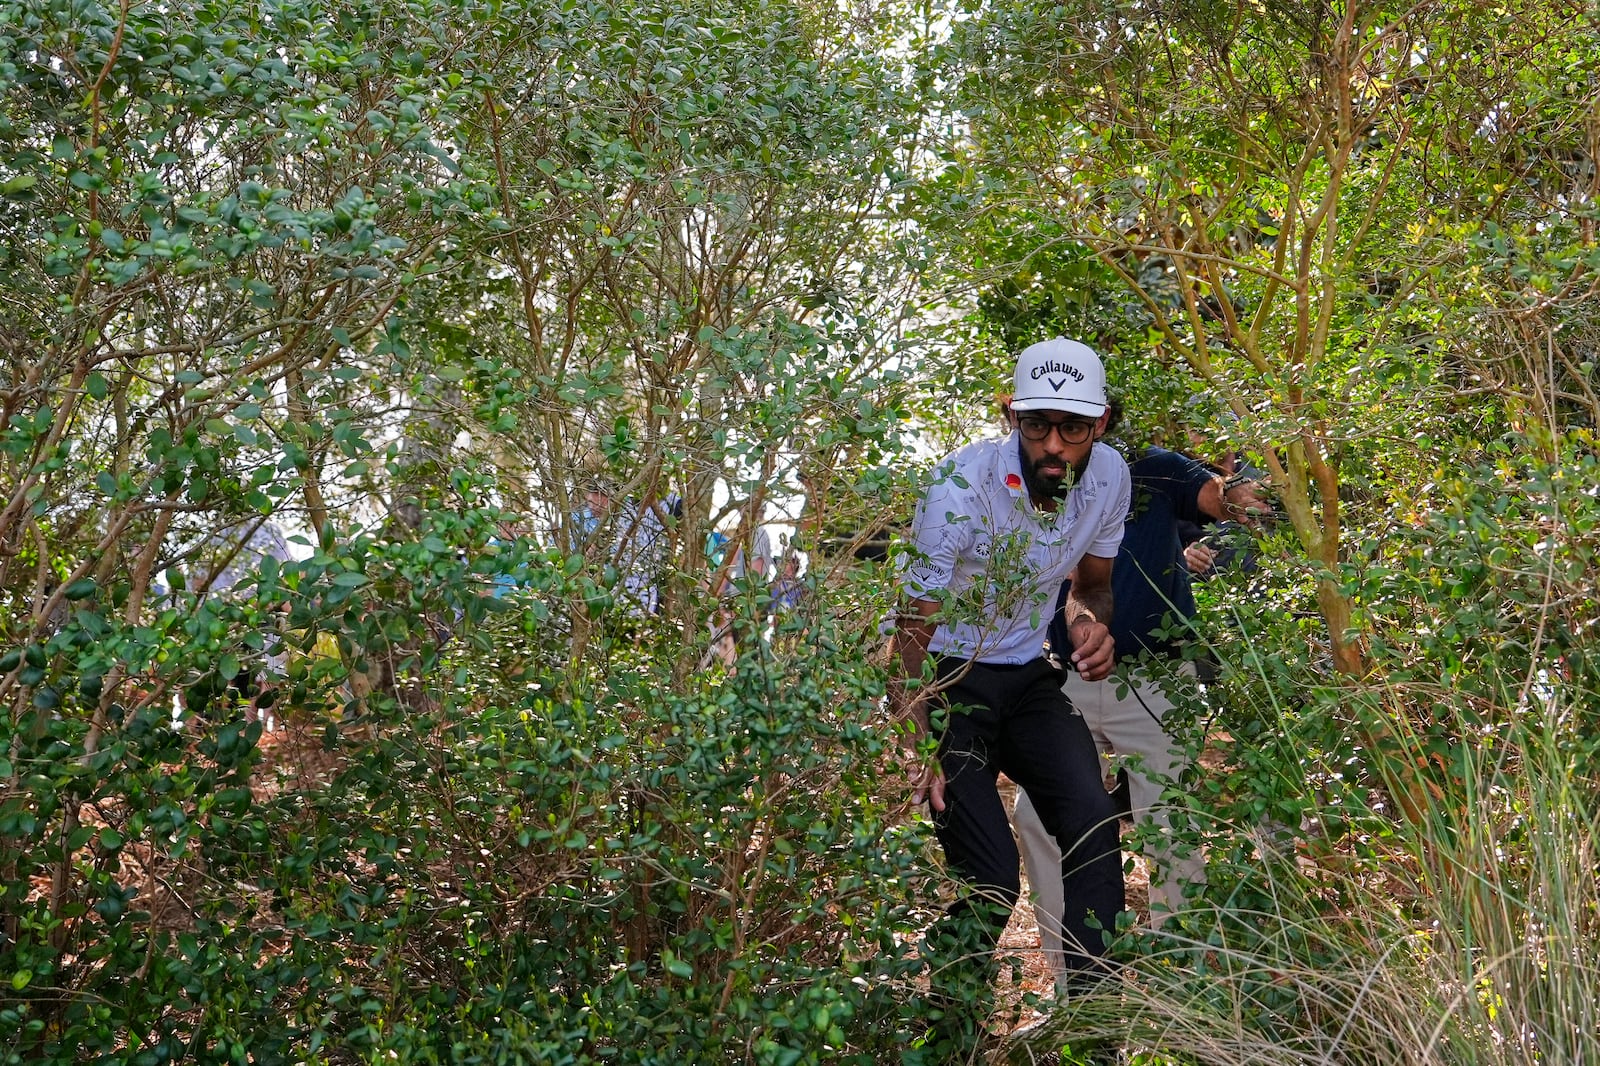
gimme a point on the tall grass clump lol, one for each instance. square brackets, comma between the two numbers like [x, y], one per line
[1335, 928]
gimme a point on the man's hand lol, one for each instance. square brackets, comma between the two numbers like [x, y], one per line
[1199, 557]
[1087, 610]
[1094, 653]
[927, 783]
[1230, 500]
[927, 779]
[1245, 502]
[912, 635]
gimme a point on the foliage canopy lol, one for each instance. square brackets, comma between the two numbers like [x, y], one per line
[470, 299]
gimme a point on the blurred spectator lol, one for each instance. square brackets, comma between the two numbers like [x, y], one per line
[787, 590]
[219, 565]
[1153, 601]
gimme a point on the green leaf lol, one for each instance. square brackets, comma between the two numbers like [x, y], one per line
[350, 579]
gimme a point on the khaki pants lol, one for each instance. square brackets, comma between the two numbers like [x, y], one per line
[1123, 726]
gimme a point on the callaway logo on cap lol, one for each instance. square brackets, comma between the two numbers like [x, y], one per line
[1060, 375]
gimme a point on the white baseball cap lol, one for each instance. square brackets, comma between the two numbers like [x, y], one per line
[1060, 375]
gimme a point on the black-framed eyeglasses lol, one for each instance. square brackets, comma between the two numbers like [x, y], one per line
[1072, 430]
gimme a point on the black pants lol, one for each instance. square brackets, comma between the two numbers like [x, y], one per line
[1015, 720]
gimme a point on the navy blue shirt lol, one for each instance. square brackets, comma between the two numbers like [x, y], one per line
[1149, 581]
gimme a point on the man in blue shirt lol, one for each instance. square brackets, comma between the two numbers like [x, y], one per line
[1154, 606]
